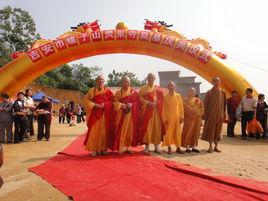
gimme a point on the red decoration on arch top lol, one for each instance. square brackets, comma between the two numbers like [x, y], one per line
[149, 25]
[220, 55]
[94, 26]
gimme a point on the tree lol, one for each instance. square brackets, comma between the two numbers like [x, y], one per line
[114, 79]
[73, 77]
[17, 32]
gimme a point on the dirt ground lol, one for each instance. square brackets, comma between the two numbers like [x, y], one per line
[247, 159]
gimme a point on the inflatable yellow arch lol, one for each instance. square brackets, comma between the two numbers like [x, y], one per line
[47, 55]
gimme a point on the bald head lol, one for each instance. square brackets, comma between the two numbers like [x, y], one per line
[216, 81]
[151, 79]
[125, 82]
[100, 81]
[191, 92]
[171, 87]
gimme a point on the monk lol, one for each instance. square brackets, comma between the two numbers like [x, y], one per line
[193, 111]
[215, 108]
[99, 105]
[173, 116]
[152, 107]
[126, 105]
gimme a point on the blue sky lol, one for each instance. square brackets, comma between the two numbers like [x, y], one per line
[235, 27]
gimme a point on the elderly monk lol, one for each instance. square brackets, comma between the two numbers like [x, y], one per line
[152, 107]
[126, 105]
[215, 108]
[99, 106]
[173, 115]
[193, 111]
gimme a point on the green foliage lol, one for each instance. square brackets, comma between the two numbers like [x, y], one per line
[72, 77]
[17, 32]
[115, 78]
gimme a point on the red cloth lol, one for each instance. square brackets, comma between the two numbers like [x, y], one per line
[149, 111]
[97, 113]
[133, 98]
[140, 177]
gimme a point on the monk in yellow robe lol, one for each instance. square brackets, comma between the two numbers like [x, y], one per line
[215, 114]
[193, 111]
[173, 115]
[99, 106]
[126, 105]
[152, 106]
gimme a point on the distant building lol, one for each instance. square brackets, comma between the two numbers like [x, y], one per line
[182, 83]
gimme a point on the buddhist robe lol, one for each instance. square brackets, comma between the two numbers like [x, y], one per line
[126, 120]
[215, 107]
[152, 127]
[193, 111]
[172, 113]
[99, 120]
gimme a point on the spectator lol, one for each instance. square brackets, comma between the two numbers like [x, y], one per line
[262, 115]
[232, 104]
[19, 118]
[69, 113]
[43, 111]
[29, 105]
[6, 119]
[62, 114]
[83, 114]
[78, 112]
[248, 104]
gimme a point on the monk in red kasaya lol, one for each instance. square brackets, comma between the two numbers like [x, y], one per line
[99, 107]
[152, 128]
[126, 106]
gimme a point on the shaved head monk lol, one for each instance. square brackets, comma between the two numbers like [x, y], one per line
[173, 116]
[126, 106]
[215, 108]
[98, 103]
[152, 107]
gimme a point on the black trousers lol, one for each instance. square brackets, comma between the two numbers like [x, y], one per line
[246, 118]
[82, 117]
[263, 123]
[231, 125]
[78, 118]
[62, 119]
[20, 123]
[43, 129]
[68, 119]
[30, 127]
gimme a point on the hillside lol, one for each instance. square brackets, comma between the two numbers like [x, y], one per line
[64, 96]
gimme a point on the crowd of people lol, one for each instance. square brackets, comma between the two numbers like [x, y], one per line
[21, 113]
[247, 110]
[128, 118]
[70, 113]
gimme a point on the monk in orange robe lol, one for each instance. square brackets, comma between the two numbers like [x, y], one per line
[126, 105]
[173, 116]
[152, 107]
[99, 107]
[193, 111]
[215, 109]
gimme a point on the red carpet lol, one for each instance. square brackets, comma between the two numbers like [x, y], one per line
[139, 177]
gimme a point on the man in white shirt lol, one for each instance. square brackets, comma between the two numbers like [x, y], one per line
[249, 105]
[29, 105]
